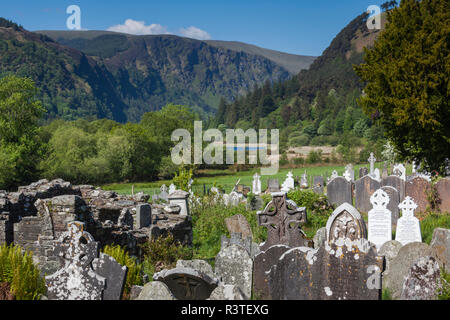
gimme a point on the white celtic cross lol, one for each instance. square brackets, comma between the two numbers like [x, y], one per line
[372, 161]
[379, 200]
[408, 206]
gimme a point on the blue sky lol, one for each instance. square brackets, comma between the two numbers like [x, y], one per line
[295, 26]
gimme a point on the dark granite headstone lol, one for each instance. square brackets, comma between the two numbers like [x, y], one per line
[143, 216]
[397, 183]
[115, 275]
[394, 197]
[283, 219]
[417, 189]
[364, 188]
[339, 191]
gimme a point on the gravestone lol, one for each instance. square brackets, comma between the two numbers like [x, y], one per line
[283, 219]
[379, 219]
[180, 198]
[199, 265]
[363, 172]
[114, 273]
[377, 175]
[76, 280]
[441, 246]
[226, 199]
[399, 171]
[397, 183]
[350, 172]
[304, 181]
[235, 199]
[156, 290]
[408, 226]
[227, 293]
[385, 172]
[262, 264]
[234, 266]
[246, 243]
[339, 191]
[389, 251]
[417, 188]
[187, 284]
[172, 189]
[372, 160]
[256, 184]
[164, 195]
[422, 281]
[318, 184]
[239, 224]
[273, 185]
[320, 238]
[143, 216]
[443, 189]
[364, 189]
[289, 183]
[394, 197]
[345, 268]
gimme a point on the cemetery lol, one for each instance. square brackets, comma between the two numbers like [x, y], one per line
[365, 243]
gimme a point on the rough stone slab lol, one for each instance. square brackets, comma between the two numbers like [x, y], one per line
[143, 216]
[227, 293]
[320, 238]
[441, 246]
[389, 251]
[115, 275]
[422, 281]
[443, 189]
[417, 189]
[239, 224]
[199, 265]
[235, 266]
[156, 290]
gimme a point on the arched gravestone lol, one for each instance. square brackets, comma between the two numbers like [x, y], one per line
[347, 267]
[364, 188]
[379, 219]
[283, 220]
[417, 189]
[339, 191]
[443, 189]
[408, 226]
[394, 197]
[397, 183]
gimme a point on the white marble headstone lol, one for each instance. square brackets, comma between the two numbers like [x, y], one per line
[380, 223]
[400, 171]
[372, 161]
[172, 188]
[256, 184]
[408, 226]
[289, 183]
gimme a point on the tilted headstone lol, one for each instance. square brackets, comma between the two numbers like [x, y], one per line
[143, 216]
[289, 183]
[180, 198]
[394, 201]
[114, 273]
[256, 184]
[273, 185]
[363, 172]
[239, 224]
[423, 280]
[283, 219]
[339, 191]
[234, 266]
[379, 219]
[443, 189]
[364, 189]
[417, 188]
[408, 226]
[187, 284]
[76, 280]
[262, 264]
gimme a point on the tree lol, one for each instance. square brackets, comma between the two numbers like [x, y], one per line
[407, 74]
[20, 146]
[388, 5]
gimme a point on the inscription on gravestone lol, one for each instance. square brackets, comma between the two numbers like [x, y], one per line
[380, 221]
[408, 226]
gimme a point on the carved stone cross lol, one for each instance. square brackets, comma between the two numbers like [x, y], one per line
[283, 219]
[372, 161]
[408, 206]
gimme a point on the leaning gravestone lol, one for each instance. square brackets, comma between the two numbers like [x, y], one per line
[443, 189]
[397, 183]
[394, 197]
[422, 281]
[346, 268]
[115, 276]
[320, 238]
[283, 219]
[364, 189]
[408, 226]
[339, 191]
[76, 280]
[143, 216]
[187, 284]
[262, 264]
[417, 188]
[379, 219]
[234, 266]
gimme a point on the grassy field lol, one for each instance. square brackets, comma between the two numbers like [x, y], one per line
[227, 179]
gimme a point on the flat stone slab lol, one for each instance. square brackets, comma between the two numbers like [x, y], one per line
[115, 275]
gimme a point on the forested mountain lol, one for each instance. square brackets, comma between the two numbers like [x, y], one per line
[98, 74]
[317, 105]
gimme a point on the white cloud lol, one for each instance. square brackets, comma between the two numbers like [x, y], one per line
[139, 28]
[195, 33]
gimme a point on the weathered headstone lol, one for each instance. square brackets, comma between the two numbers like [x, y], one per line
[318, 184]
[417, 188]
[385, 172]
[441, 246]
[379, 219]
[408, 226]
[187, 284]
[199, 265]
[239, 224]
[234, 199]
[143, 216]
[262, 264]
[256, 184]
[235, 266]
[76, 280]
[443, 189]
[364, 189]
[304, 181]
[283, 219]
[395, 182]
[273, 185]
[246, 243]
[372, 160]
[115, 275]
[227, 293]
[400, 171]
[320, 238]
[339, 191]
[363, 172]
[346, 223]
[156, 290]
[180, 198]
[394, 201]
[389, 251]
[422, 281]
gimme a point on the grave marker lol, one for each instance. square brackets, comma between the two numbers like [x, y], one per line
[380, 220]
[408, 226]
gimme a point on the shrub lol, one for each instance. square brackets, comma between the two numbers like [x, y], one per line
[443, 293]
[314, 157]
[17, 269]
[163, 253]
